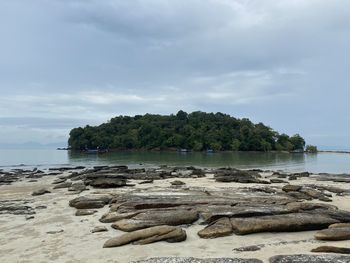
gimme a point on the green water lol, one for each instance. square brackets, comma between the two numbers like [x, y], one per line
[322, 162]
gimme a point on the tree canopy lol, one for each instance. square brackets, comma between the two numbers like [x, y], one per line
[196, 131]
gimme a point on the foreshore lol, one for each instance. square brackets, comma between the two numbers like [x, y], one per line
[122, 214]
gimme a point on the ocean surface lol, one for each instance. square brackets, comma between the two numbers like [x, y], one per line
[321, 162]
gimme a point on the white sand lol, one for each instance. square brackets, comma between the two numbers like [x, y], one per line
[27, 241]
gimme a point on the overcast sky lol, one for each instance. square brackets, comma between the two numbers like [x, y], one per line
[67, 63]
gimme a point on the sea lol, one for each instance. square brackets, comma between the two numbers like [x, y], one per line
[323, 162]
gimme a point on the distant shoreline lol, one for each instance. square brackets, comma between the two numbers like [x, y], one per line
[330, 151]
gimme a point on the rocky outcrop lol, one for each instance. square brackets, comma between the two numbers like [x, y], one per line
[85, 212]
[238, 176]
[148, 235]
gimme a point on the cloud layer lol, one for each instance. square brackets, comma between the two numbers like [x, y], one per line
[74, 62]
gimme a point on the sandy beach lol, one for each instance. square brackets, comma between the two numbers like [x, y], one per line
[55, 234]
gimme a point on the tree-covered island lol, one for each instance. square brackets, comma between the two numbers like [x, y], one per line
[197, 131]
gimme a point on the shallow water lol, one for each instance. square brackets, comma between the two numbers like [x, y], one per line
[321, 162]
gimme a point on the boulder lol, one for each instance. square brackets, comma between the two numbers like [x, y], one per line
[334, 234]
[148, 235]
[111, 217]
[177, 182]
[108, 182]
[340, 225]
[331, 249]
[156, 218]
[281, 223]
[221, 227]
[90, 202]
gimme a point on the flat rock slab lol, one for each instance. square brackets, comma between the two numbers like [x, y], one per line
[154, 218]
[281, 223]
[331, 249]
[340, 233]
[198, 260]
[310, 259]
[220, 228]
[149, 235]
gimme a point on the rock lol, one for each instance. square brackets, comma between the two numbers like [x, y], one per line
[198, 260]
[277, 181]
[221, 227]
[108, 182]
[177, 182]
[248, 248]
[292, 178]
[149, 235]
[41, 192]
[334, 234]
[150, 181]
[55, 232]
[331, 249]
[340, 225]
[112, 217]
[281, 223]
[156, 218]
[77, 187]
[90, 202]
[85, 212]
[63, 185]
[238, 176]
[309, 259]
[299, 196]
[29, 217]
[99, 229]
[59, 181]
[315, 194]
[291, 188]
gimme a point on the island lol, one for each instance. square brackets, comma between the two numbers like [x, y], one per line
[196, 131]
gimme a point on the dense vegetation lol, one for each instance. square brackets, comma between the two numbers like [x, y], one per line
[196, 131]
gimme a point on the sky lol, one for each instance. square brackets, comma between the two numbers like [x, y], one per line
[69, 63]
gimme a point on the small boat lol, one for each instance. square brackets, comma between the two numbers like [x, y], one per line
[184, 150]
[210, 151]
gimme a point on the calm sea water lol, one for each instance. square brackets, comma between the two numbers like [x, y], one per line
[321, 162]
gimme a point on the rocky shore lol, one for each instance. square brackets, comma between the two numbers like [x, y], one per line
[173, 214]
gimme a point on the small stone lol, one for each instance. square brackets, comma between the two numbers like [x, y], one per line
[99, 229]
[41, 192]
[331, 249]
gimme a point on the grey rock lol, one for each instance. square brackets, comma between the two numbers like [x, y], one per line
[41, 192]
[309, 259]
[98, 229]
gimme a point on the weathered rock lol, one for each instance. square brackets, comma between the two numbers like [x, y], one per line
[309, 259]
[150, 181]
[77, 187]
[299, 196]
[149, 235]
[198, 260]
[281, 223]
[335, 234]
[315, 194]
[291, 188]
[277, 181]
[177, 182]
[85, 212]
[156, 218]
[63, 185]
[238, 176]
[98, 229]
[340, 225]
[248, 248]
[111, 217]
[222, 227]
[331, 249]
[90, 202]
[41, 192]
[59, 181]
[108, 182]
